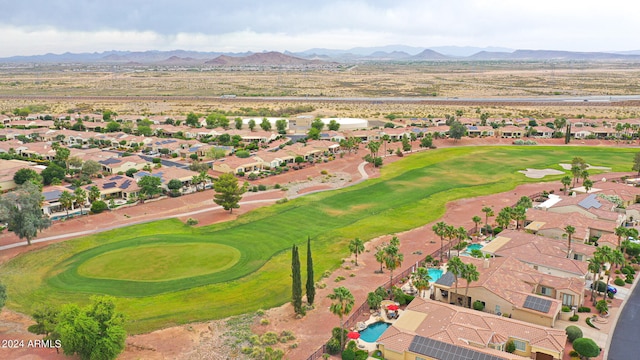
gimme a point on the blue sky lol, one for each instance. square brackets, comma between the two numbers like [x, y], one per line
[30, 27]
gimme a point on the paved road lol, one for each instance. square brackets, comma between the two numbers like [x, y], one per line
[624, 340]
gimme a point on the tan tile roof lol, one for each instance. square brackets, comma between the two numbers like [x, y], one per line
[539, 250]
[459, 326]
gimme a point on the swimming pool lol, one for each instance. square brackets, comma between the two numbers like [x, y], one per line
[373, 331]
[435, 274]
[474, 247]
[468, 249]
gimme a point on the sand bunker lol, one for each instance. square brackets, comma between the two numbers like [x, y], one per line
[568, 167]
[540, 173]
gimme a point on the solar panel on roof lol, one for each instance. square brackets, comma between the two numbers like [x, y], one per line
[125, 184]
[117, 177]
[537, 304]
[590, 202]
[445, 351]
[109, 185]
[109, 161]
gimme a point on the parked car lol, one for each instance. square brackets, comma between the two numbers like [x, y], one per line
[610, 289]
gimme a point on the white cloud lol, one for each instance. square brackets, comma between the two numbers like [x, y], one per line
[242, 25]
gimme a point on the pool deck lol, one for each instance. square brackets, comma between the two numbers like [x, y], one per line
[380, 316]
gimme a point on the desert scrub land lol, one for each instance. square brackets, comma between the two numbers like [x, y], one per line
[400, 79]
[254, 265]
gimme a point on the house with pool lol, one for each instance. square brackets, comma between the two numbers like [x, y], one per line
[429, 329]
[508, 287]
[543, 254]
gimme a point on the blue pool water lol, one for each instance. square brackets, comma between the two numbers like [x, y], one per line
[373, 331]
[467, 251]
[435, 274]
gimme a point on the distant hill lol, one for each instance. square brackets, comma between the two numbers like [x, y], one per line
[429, 54]
[551, 55]
[320, 56]
[267, 58]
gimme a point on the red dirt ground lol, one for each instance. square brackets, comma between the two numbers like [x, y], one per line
[195, 340]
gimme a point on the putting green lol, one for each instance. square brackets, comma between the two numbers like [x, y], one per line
[160, 262]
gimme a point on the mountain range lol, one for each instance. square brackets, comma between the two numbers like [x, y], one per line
[318, 56]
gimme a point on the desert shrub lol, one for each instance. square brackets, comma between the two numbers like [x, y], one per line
[586, 347]
[625, 271]
[262, 187]
[282, 201]
[602, 306]
[192, 221]
[348, 354]
[362, 355]
[574, 318]
[618, 282]
[339, 278]
[573, 353]
[252, 176]
[269, 338]
[98, 206]
[478, 305]
[565, 308]
[264, 321]
[573, 332]
[324, 172]
[584, 309]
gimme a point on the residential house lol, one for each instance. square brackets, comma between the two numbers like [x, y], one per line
[122, 164]
[115, 187]
[512, 132]
[590, 206]
[8, 169]
[544, 132]
[508, 286]
[236, 165]
[168, 173]
[432, 330]
[543, 254]
[551, 225]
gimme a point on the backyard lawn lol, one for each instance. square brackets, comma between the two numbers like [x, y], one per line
[166, 273]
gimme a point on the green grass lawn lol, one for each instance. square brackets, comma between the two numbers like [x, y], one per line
[240, 266]
[170, 261]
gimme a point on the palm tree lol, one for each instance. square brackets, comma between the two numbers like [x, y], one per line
[385, 139]
[476, 220]
[595, 266]
[342, 304]
[461, 234]
[380, 251]
[66, 201]
[440, 229]
[455, 266]
[615, 258]
[469, 273]
[392, 260]
[450, 233]
[566, 181]
[576, 171]
[620, 231]
[504, 217]
[487, 213]
[94, 194]
[588, 184]
[519, 213]
[570, 230]
[356, 246]
[80, 196]
[604, 255]
[420, 280]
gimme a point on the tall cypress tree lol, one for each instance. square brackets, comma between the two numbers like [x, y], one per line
[296, 288]
[311, 288]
